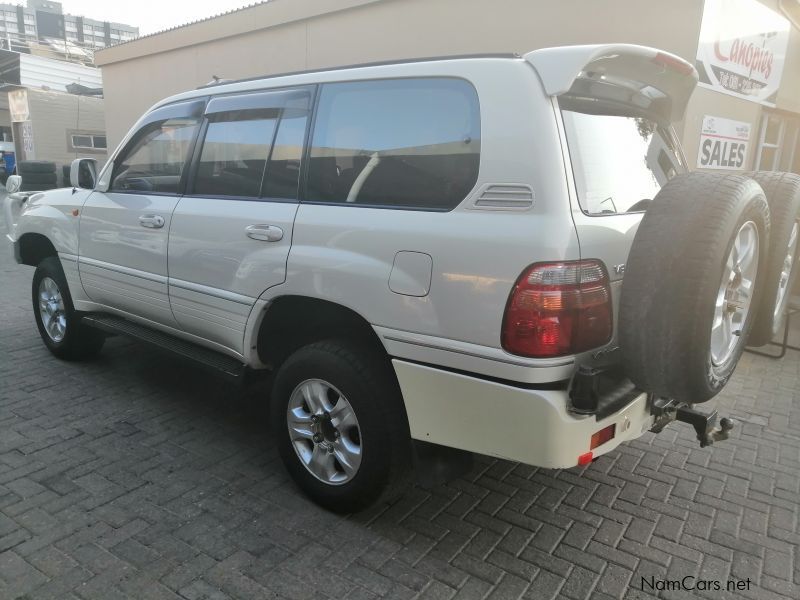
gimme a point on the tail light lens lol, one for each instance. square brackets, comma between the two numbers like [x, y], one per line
[557, 309]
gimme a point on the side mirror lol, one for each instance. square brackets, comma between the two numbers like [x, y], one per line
[13, 183]
[83, 173]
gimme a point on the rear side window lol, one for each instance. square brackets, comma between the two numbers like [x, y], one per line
[407, 143]
[619, 162]
[235, 152]
[252, 153]
[154, 162]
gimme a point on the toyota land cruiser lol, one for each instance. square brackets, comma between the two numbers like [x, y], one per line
[430, 250]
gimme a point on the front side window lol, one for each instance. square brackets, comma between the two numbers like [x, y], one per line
[406, 143]
[155, 160]
[620, 162]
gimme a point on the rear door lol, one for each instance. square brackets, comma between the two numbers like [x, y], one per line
[620, 160]
[124, 231]
[231, 232]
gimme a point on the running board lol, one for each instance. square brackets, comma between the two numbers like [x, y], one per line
[222, 364]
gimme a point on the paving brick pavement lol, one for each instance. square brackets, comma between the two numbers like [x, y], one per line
[137, 476]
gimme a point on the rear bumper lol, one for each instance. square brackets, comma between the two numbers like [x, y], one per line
[532, 426]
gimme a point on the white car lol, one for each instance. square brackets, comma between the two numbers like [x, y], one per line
[426, 251]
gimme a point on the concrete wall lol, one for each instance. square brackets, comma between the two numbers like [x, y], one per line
[54, 115]
[269, 38]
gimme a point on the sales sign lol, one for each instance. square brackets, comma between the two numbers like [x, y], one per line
[742, 49]
[723, 143]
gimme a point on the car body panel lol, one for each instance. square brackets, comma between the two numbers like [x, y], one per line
[122, 263]
[216, 272]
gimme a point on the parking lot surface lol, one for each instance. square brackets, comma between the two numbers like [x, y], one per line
[138, 476]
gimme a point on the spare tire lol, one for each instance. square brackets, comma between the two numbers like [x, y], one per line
[692, 283]
[36, 166]
[783, 196]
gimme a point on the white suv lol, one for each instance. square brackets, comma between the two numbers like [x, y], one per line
[430, 250]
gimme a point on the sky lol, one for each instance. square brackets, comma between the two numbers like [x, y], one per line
[150, 15]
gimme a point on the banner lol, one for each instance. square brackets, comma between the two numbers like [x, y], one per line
[723, 144]
[742, 49]
[18, 106]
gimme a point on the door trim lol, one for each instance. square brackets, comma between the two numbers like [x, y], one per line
[120, 269]
[211, 291]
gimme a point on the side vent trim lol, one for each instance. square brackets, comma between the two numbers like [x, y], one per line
[503, 196]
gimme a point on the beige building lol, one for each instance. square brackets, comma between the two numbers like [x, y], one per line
[748, 53]
[47, 112]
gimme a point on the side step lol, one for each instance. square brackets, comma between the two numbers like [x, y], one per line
[224, 365]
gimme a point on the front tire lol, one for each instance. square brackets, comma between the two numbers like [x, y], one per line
[58, 323]
[340, 425]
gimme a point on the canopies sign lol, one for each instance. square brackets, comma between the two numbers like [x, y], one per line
[742, 49]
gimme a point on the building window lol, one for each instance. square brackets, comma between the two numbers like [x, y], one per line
[777, 143]
[406, 143]
[88, 141]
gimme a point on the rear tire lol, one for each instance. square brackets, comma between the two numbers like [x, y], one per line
[56, 318]
[783, 195]
[357, 449]
[682, 300]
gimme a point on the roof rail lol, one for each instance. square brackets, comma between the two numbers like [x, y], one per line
[362, 65]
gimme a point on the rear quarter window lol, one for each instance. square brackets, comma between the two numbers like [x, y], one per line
[405, 143]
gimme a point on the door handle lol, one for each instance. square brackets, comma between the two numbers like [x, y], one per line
[151, 221]
[265, 233]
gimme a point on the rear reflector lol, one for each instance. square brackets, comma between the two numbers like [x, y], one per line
[584, 459]
[602, 436]
[557, 309]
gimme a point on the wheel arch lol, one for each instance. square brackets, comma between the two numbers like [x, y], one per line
[34, 248]
[292, 321]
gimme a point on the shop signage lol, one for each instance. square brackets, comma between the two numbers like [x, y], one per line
[723, 144]
[18, 106]
[27, 140]
[742, 49]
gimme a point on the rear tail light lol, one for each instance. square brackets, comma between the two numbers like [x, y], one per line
[557, 309]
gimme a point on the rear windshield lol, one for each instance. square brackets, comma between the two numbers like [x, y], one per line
[619, 162]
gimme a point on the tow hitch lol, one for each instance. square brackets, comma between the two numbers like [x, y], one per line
[705, 424]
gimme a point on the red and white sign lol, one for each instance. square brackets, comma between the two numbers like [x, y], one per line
[723, 144]
[742, 49]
